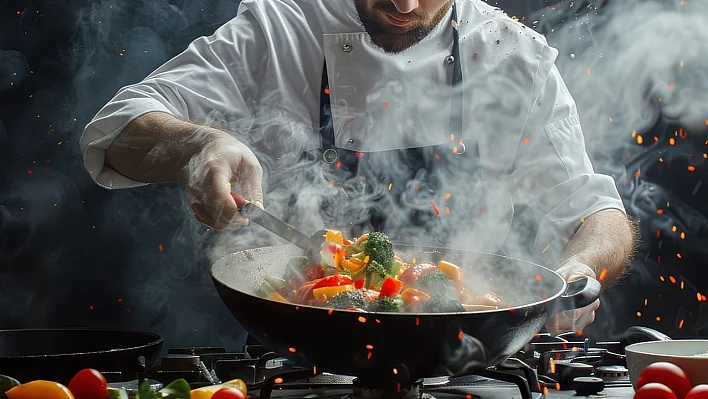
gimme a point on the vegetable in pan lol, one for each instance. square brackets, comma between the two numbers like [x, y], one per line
[365, 274]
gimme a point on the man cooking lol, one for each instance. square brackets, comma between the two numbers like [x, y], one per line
[442, 123]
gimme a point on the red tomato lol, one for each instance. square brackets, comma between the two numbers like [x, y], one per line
[228, 393]
[654, 390]
[700, 391]
[88, 384]
[668, 374]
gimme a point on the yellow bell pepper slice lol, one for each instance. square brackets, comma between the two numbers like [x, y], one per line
[353, 265]
[276, 296]
[335, 236]
[209, 391]
[40, 389]
[324, 293]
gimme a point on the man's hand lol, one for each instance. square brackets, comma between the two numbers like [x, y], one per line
[223, 165]
[573, 320]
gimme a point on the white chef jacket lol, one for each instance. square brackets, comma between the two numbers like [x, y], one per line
[259, 75]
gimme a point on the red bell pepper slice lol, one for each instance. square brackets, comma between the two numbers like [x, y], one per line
[390, 287]
[333, 280]
[359, 283]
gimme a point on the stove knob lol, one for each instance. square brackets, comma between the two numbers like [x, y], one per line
[612, 372]
[586, 386]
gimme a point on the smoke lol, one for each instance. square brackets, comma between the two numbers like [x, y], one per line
[637, 72]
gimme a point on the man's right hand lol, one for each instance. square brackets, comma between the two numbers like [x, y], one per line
[223, 165]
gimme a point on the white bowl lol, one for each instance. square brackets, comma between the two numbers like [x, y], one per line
[689, 354]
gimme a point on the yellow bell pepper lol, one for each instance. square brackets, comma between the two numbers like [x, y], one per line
[209, 391]
[324, 293]
[335, 236]
[353, 265]
[40, 389]
[276, 296]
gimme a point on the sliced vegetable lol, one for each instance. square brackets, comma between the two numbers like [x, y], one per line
[276, 296]
[208, 391]
[335, 236]
[359, 283]
[333, 281]
[390, 287]
[89, 384]
[354, 265]
[452, 271]
[324, 293]
[117, 393]
[40, 389]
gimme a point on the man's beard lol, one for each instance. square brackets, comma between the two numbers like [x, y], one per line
[391, 41]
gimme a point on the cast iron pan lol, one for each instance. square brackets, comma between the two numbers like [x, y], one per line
[385, 348]
[57, 354]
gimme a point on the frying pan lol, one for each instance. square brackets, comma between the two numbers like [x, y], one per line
[399, 348]
[58, 354]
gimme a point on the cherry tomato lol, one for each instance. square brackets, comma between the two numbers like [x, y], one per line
[668, 374]
[228, 393]
[654, 390]
[700, 391]
[89, 384]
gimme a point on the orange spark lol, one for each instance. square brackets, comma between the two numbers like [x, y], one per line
[691, 168]
[662, 278]
[160, 248]
[369, 347]
[369, 355]
[435, 208]
[639, 314]
[640, 139]
[395, 371]
[680, 326]
[538, 277]
[672, 141]
[385, 105]
[683, 134]
[603, 274]
[362, 319]
[679, 256]
[278, 380]
[417, 321]
[672, 279]
[527, 141]
[329, 312]
[292, 350]
[682, 235]
[659, 211]
[658, 318]
[672, 85]
[661, 160]
[447, 196]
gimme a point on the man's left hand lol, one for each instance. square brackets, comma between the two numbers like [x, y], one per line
[576, 319]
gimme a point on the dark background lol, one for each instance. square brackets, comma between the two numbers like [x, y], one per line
[73, 254]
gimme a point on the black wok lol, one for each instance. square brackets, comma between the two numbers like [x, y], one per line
[58, 354]
[382, 348]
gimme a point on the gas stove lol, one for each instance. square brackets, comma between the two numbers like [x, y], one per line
[548, 367]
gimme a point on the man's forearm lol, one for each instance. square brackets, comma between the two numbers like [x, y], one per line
[606, 241]
[156, 147]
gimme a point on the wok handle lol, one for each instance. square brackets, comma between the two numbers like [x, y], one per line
[580, 293]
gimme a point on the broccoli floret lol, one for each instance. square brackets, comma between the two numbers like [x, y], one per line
[380, 249]
[442, 304]
[348, 299]
[375, 274]
[436, 282]
[385, 304]
[377, 247]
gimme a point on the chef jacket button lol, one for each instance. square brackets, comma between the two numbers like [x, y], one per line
[330, 155]
[347, 48]
[450, 59]
[351, 141]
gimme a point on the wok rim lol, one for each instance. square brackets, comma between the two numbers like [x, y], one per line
[543, 302]
[156, 340]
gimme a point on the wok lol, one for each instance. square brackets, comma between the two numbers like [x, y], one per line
[58, 354]
[384, 348]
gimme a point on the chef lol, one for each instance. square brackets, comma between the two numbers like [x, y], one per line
[440, 122]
